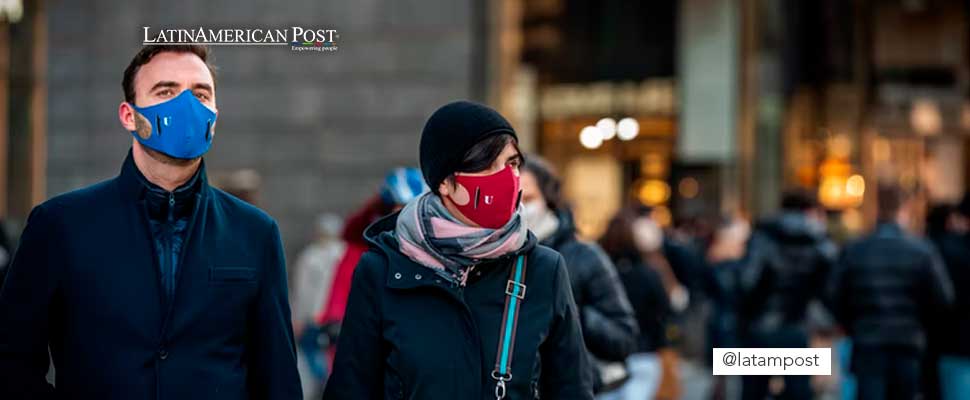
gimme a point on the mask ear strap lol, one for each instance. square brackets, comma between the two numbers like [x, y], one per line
[518, 200]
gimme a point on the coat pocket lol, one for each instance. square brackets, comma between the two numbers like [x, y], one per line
[226, 275]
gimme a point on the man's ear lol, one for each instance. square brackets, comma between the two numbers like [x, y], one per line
[126, 114]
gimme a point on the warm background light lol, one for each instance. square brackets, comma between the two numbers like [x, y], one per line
[607, 127]
[653, 192]
[590, 137]
[627, 129]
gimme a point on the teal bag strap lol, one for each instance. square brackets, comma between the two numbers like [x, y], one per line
[514, 295]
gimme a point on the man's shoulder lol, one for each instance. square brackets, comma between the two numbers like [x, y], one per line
[85, 199]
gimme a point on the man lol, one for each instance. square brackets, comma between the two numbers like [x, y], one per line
[882, 290]
[788, 260]
[151, 285]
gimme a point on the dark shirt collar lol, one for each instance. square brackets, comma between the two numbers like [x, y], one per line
[889, 228]
[135, 186]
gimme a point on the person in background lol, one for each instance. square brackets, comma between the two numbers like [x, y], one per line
[948, 347]
[634, 243]
[883, 288]
[689, 321]
[315, 267]
[609, 328]
[400, 186]
[245, 184]
[455, 299]
[725, 256]
[788, 259]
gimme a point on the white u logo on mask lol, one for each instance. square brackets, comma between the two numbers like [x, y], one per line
[489, 199]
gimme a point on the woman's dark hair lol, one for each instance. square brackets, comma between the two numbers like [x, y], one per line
[483, 154]
[617, 241]
[549, 184]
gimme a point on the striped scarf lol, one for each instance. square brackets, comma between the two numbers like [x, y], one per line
[429, 235]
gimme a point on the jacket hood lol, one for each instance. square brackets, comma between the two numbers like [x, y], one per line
[793, 227]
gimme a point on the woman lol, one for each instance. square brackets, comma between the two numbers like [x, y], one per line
[609, 329]
[454, 300]
[634, 243]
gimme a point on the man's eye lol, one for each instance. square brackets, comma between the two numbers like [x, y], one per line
[202, 96]
[165, 92]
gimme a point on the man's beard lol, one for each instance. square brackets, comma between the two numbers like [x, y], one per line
[167, 159]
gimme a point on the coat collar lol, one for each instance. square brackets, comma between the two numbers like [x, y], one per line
[404, 273]
[889, 229]
[134, 184]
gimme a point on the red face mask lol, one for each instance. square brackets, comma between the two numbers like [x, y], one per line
[493, 198]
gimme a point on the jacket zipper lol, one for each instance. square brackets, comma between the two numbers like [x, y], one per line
[470, 320]
[169, 246]
[171, 206]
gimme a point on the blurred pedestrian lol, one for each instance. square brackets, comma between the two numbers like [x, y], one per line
[788, 259]
[725, 256]
[950, 337]
[688, 324]
[884, 287]
[6, 252]
[315, 267]
[634, 243]
[245, 184]
[609, 329]
[454, 299]
[152, 284]
[400, 186]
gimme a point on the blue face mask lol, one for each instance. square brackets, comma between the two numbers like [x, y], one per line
[181, 127]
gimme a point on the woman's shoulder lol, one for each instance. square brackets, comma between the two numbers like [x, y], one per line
[549, 278]
[372, 265]
[546, 263]
[542, 255]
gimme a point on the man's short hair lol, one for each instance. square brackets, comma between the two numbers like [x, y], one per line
[148, 52]
[799, 200]
[890, 199]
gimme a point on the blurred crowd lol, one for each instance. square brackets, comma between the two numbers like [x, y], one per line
[655, 300]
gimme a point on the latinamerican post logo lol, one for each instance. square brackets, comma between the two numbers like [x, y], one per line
[298, 38]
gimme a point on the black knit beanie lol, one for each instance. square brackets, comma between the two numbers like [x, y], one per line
[453, 130]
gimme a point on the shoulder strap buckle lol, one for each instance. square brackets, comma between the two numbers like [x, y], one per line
[513, 288]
